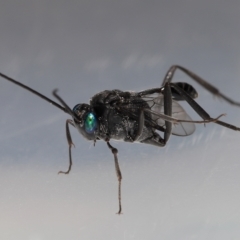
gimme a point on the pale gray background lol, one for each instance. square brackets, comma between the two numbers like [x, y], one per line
[187, 190]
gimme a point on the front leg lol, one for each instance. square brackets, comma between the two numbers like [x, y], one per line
[118, 172]
[70, 144]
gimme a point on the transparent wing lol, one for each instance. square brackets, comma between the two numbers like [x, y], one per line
[156, 103]
[152, 102]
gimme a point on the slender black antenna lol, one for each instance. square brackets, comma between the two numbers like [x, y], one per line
[67, 108]
[35, 92]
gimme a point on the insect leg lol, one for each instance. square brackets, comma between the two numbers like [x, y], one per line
[199, 80]
[70, 144]
[119, 175]
[167, 111]
[199, 110]
[156, 139]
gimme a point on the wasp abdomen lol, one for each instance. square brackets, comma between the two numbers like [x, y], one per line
[189, 89]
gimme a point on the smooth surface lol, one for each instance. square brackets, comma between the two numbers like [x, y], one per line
[188, 190]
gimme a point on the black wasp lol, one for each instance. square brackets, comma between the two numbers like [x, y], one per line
[136, 116]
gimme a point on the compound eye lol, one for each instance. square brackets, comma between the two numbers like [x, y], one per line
[90, 123]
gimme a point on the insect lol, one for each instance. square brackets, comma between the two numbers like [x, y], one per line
[136, 116]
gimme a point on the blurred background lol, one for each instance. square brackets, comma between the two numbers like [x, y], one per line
[188, 190]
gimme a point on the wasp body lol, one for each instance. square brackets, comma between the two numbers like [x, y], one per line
[150, 116]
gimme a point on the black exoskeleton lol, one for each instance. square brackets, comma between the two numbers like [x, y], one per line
[137, 116]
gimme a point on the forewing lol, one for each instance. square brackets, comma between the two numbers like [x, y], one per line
[156, 104]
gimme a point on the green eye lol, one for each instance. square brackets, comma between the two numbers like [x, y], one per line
[90, 123]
